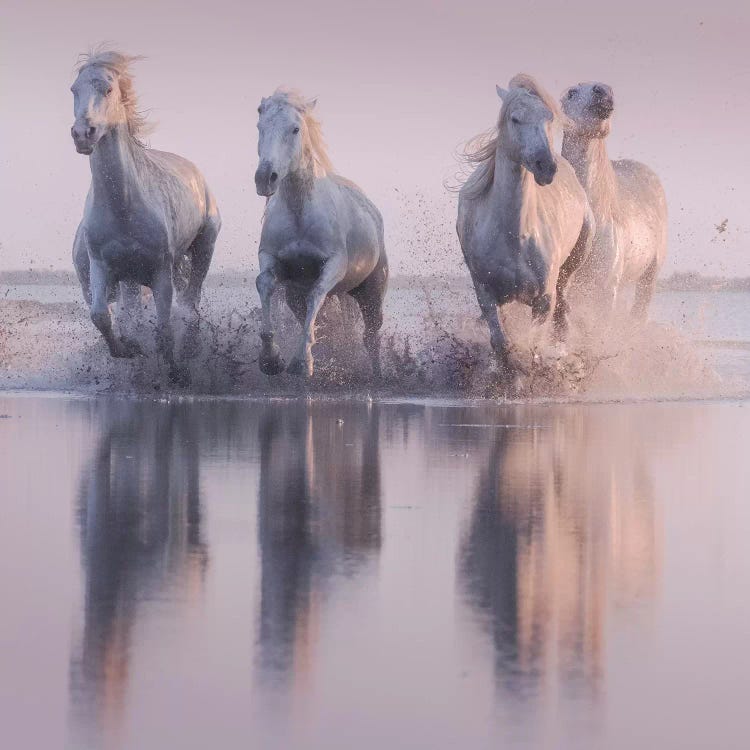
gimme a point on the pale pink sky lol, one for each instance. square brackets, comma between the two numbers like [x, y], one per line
[400, 86]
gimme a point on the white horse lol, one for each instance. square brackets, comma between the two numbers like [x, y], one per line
[626, 197]
[321, 236]
[149, 217]
[523, 220]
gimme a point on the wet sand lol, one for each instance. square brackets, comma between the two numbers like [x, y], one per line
[342, 573]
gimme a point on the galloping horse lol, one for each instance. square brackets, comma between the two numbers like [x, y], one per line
[523, 219]
[626, 197]
[149, 218]
[321, 235]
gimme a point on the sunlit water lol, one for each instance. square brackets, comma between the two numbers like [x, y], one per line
[344, 574]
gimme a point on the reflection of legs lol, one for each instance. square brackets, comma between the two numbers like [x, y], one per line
[331, 274]
[162, 289]
[369, 296]
[270, 361]
[100, 286]
[644, 290]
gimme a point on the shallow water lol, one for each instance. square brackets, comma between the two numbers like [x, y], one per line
[697, 345]
[339, 574]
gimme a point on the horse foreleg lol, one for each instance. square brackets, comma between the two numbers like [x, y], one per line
[270, 361]
[333, 271]
[644, 291]
[162, 290]
[100, 287]
[82, 264]
[498, 339]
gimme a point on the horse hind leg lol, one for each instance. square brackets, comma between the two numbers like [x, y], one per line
[163, 290]
[578, 255]
[200, 254]
[129, 315]
[644, 291]
[369, 296]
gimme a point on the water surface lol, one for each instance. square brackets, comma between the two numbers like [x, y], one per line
[339, 574]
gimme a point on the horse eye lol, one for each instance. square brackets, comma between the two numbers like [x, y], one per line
[514, 120]
[296, 130]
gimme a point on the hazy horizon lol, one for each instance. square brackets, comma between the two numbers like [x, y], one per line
[401, 86]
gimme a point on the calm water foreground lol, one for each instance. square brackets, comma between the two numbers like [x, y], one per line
[327, 574]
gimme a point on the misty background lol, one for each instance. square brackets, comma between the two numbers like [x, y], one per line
[400, 87]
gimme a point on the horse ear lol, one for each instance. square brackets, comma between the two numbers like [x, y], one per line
[502, 93]
[310, 104]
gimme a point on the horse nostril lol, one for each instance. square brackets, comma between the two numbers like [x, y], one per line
[539, 165]
[90, 132]
[273, 177]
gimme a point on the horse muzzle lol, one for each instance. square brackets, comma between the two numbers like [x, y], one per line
[544, 171]
[266, 179]
[603, 103]
[85, 138]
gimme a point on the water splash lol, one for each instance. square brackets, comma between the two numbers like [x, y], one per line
[434, 344]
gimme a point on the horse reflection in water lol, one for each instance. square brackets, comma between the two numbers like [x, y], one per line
[140, 526]
[318, 517]
[563, 526]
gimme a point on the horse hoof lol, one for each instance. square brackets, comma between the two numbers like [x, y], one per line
[299, 367]
[179, 376]
[127, 349]
[271, 365]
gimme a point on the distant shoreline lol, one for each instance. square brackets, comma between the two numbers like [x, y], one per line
[677, 282]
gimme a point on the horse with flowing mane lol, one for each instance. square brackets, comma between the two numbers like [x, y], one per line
[523, 219]
[626, 197]
[149, 219]
[321, 235]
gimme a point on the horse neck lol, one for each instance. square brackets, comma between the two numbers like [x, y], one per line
[514, 195]
[589, 159]
[297, 186]
[114, 169]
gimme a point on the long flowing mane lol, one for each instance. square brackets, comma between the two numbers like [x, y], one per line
[314, 145]
[479, 152]
[120, 64]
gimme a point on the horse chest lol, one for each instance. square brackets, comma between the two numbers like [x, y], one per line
[130, 249]
[516, 269]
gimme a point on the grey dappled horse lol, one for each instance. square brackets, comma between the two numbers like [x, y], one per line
[149, 219]
[321, 236]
